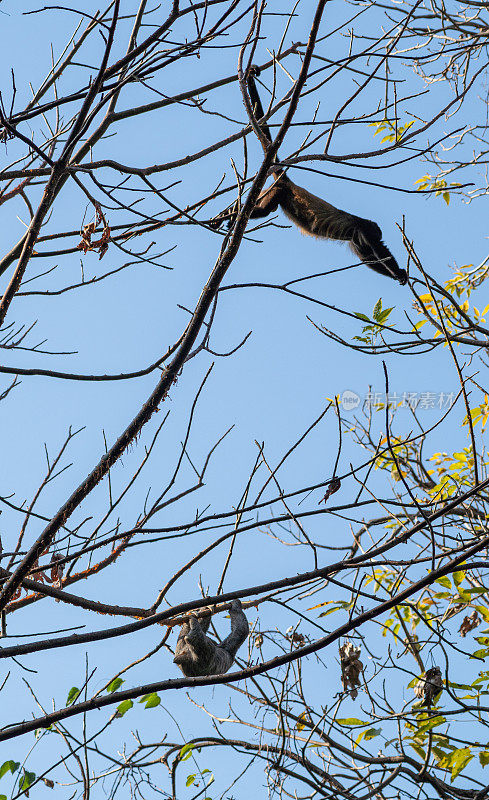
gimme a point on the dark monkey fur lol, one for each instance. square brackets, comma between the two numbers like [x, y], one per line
[315, 216]
[196, 654]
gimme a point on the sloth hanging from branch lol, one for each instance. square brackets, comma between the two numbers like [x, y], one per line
[313, 215]
[197, 655]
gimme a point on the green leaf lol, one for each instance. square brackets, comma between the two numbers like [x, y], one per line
[3, 797]
[444, 581]
[27, 780]
[152, 700]
[377, 308]
[185, 752]
[362, 316]
[382, 317]
[73, 695]
[39, 731]
[419, 750]
[330, 611]
[123, 707]
[459, 760]
[9, 766]
[190, 780]
[446, 197]
[484, 757]
[480, 654]
[484, 612]
[350, 721]
[371, 733]
[443, 741]
[458, 577]
[114, 685]
[427, 725]
[441, 757]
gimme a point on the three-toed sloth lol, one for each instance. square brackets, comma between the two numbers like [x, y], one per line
[197, 655]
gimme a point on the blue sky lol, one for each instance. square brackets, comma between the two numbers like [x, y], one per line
[271, 390]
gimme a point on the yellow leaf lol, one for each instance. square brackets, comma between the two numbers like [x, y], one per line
[300, 725]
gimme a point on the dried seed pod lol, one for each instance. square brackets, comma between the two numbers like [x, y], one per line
[351, 668]
[469, 623]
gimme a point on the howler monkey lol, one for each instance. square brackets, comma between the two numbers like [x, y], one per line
[315, 216]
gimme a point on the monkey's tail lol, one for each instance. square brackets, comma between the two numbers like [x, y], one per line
[259, 113]
[374, 253]
[229, 214]
[253, 73]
